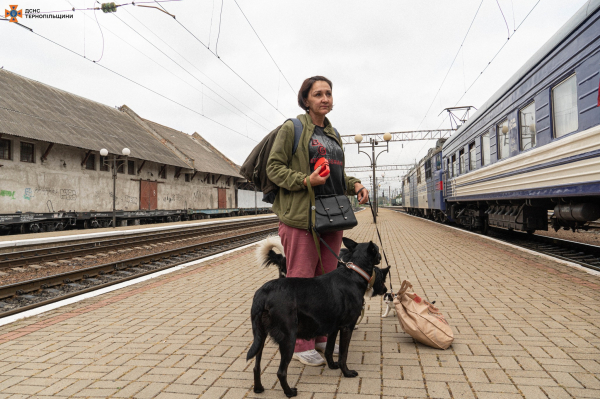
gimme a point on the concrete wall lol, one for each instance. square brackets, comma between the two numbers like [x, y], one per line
[61, 183]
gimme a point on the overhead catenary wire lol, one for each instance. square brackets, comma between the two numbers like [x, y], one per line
[219, 33]
[199, 71]
[188, 72]
[224, 63]
[451, 65]
[265, 47]
[144, 87]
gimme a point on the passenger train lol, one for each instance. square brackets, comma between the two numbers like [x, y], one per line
[533, 147]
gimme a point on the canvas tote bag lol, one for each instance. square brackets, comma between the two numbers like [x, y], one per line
[421, 320]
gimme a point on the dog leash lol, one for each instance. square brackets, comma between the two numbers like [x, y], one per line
[381, 243]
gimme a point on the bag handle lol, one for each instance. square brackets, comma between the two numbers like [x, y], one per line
[404, 287]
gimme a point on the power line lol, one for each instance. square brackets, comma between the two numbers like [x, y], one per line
[449, 69]
[188, 72]
[141, 85]
[219, 33]
[199, 71]
[224, 63]
[265, 47]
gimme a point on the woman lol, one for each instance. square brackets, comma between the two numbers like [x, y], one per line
[290, 172]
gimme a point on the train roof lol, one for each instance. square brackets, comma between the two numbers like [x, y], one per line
[580, 16]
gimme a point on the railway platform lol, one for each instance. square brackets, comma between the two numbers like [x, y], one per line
[526, 326]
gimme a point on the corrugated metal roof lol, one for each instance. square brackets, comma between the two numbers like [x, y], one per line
[205, 157]
[34, 110]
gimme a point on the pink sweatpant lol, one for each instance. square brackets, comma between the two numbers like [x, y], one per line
[303, 261]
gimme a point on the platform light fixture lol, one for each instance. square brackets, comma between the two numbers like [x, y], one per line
[374, 143]
[115, 163]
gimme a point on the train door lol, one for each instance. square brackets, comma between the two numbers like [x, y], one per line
[148, 195]
[222, 198]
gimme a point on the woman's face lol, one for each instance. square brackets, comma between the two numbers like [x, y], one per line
[320, 99]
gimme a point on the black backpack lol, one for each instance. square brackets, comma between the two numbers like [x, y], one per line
[254, 168]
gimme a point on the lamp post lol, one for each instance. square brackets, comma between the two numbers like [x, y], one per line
[374, 143]
[104, 153]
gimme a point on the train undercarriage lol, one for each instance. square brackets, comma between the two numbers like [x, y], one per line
[523, 215]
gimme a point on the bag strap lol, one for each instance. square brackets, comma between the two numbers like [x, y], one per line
[297, 133]
[311, 223]
[381, 243]
[404, 287]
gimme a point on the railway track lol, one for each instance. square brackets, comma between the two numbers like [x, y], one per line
[585, 255]
[93, 247]
[22, 296]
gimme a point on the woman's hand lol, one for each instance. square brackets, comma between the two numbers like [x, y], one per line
[315, 179]
[362, 194]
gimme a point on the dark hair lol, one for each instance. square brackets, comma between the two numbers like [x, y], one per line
[305, 88]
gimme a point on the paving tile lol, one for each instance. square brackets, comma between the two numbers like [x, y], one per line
[525, 327]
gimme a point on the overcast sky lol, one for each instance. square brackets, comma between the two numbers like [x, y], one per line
[387, 60]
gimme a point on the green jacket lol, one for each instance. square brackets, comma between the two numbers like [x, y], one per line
[288, 172]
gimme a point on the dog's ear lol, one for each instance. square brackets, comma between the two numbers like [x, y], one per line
[373, 248]
[348, 243]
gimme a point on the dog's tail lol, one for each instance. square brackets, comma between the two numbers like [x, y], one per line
[258, 327]
[266, 255]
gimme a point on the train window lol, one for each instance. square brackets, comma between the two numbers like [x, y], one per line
[90, 162]
[564, 107]
[130, 167]
[472, 160]
[527, 121]
[438, 161]
[27, 152]
[454, 166]
[462, 163]
[5, 149]
[428, 169]
[104, 167]
[503, 139]
[485, 149]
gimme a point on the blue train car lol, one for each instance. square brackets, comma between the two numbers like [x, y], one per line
[422, 187]
[534, 146]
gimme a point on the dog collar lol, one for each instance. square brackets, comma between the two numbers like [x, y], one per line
[363, 274]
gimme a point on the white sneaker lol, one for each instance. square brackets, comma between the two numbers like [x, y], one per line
[310, 358]
[320, 346]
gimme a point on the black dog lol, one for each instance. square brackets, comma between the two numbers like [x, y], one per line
[290, 308]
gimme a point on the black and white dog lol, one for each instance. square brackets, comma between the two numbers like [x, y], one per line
[290, 308]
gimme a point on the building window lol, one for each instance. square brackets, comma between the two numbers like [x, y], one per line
[163, 172]
[187, 177]
[5, 149]
[130, 167]
[485, 149]
[428, 169]
[27, 152]
[90, 163]
[527, 121]
[120, 166]
[503, 139]
[104, 166]
[564, 107]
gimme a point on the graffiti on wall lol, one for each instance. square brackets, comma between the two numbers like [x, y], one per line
[173, 197]
[46, 191]
[28, 194]
[67, 194]
[6, 193]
